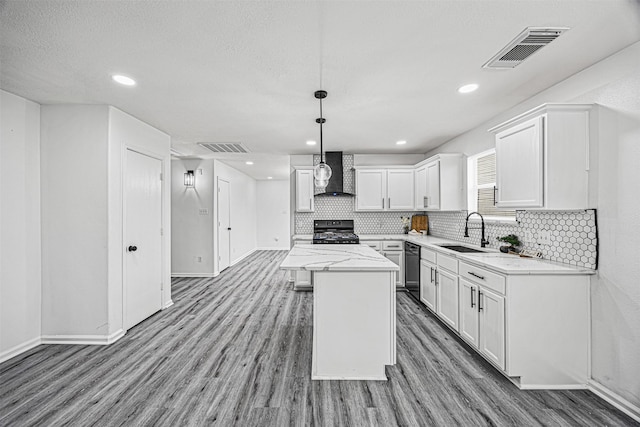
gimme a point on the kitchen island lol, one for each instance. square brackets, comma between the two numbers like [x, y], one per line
[354, 310]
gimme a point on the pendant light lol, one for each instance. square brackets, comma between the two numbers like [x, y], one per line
[322, 171]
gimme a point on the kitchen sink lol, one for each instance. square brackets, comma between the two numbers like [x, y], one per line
[459, 248]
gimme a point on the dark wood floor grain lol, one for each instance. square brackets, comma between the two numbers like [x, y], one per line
[236, 350]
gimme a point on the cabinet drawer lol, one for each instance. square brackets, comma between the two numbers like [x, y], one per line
[375, 244]
[448, 263]
[483, 277]
[428, 255]
[392, 246]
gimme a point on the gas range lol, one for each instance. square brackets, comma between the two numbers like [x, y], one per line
[334, 232]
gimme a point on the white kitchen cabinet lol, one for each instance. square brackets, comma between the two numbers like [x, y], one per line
[385, 189]
[428, 284]
[542, 158]
[393, 250]
[400, 189]
[440, 183]
[491, 326]
[304, 190]
[302, 280]
[371, 189]
[469, 321]
[447, 297]
[421, 187]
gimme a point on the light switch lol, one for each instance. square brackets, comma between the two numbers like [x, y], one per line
[544, 237]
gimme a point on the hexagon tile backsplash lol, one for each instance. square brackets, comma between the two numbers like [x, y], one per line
[573, 235]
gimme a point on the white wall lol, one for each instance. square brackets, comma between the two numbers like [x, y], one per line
[82, 154]
[243, 212]
[191, 231]
[614, 84]
[273, 204]
[20, 261]
[74, 219]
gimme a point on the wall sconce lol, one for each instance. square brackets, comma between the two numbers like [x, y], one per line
[189, 179]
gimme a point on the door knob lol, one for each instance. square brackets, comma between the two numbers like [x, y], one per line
[229, 228]
[132, 248]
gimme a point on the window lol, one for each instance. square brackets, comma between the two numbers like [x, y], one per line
[481, 173]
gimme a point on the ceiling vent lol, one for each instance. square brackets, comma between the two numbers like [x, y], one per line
[224, 147]
[526, 44]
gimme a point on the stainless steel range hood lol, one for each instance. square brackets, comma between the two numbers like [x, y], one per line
[336, 182]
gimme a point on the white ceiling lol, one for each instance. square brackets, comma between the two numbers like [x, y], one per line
[246, 71]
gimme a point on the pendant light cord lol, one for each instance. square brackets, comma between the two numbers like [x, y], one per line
[321, 120]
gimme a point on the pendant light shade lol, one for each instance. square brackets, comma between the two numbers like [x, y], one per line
[322, 171]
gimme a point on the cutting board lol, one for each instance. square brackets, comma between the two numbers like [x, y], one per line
[420, 222]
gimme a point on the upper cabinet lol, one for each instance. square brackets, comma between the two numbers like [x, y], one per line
[440, 183]
[385, 189]
[304, 190]
[542, 158]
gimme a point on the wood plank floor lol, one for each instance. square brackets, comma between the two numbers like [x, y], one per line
[236, 350]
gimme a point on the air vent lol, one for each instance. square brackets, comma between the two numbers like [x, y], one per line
[526, 44]
[224, 147]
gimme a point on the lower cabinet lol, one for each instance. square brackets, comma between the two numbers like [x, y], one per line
[447, 297]
[397, 257]
[482, 321]
[302, 280]
[428, 284]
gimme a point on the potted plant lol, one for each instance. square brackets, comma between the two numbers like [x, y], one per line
[406, 221]
[513, 242]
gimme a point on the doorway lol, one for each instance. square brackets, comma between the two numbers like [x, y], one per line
[224, 225]
[142, 189]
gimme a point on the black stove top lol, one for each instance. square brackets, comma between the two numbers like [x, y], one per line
[334, 232]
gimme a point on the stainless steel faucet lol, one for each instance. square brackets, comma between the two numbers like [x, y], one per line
[483, 242]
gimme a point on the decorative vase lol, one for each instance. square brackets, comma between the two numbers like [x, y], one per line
[405, 229]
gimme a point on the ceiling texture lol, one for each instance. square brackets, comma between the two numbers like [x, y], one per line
[240, 71]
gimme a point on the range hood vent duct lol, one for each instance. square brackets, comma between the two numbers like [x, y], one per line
[523, 46]
[336, 182]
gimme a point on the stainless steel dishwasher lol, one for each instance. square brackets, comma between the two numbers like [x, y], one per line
[412, 269]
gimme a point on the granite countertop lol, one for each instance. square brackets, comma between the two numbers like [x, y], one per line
[306, 256]
[489, 258]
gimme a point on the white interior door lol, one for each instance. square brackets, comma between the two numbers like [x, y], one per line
[224, 225]
[142, 237]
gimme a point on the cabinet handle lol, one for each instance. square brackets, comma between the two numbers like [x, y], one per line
[436, 270]
[383, 203]
[389, 202]
[472, 295]
[425, 202]
[431, 274]
[495, 189]
[479, 301]
[476, 275]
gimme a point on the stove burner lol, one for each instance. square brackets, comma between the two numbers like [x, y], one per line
[336, 232]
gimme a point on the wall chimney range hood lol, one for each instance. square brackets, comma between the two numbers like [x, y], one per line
[335, 187]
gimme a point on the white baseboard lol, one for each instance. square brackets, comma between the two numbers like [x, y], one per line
[19, 349]
[83, 339]
[193, 274]
[615, 399]
[273, 248]
[168, 304]
[243, 257]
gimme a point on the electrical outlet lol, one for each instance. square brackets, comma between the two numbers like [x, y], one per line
[544, 237]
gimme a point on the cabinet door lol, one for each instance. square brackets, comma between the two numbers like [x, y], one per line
[304, 191]
[491, 309]
[428, 284]
[447, 296]
[371, 189]
[302, 280]
[400, 192]
[433, 185]
[519, 165]
[421, 187]
[397, 257]
[469, 312]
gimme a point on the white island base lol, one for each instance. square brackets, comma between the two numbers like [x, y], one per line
[354, 310]
[353, 325]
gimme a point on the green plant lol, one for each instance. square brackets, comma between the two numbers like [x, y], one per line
[511, 239]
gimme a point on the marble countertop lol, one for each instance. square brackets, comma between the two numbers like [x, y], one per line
[490, 258]
[307, 256]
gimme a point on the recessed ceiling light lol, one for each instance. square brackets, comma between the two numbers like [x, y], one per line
[401, 142]
[269, 177]
[123, 80]
[468, 88]
[311, 143]
[249, 163]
